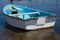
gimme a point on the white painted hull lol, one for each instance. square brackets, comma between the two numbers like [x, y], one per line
[42, 22]
[27, 18]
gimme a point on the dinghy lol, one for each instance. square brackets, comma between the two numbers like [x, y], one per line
[28, 18]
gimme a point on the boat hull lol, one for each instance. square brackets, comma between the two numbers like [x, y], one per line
[32, 24]
[27, 18]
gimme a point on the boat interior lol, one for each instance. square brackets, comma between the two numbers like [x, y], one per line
[23, 12]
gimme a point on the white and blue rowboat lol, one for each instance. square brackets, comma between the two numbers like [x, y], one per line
[27, 18]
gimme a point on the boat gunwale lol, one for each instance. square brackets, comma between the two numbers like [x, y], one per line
[51, 16]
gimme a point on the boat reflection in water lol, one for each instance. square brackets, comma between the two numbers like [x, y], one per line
[27, 18]
[18, 34]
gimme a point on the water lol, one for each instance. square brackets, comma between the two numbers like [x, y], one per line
[45, 34]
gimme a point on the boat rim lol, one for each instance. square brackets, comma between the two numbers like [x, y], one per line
[35, 18]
